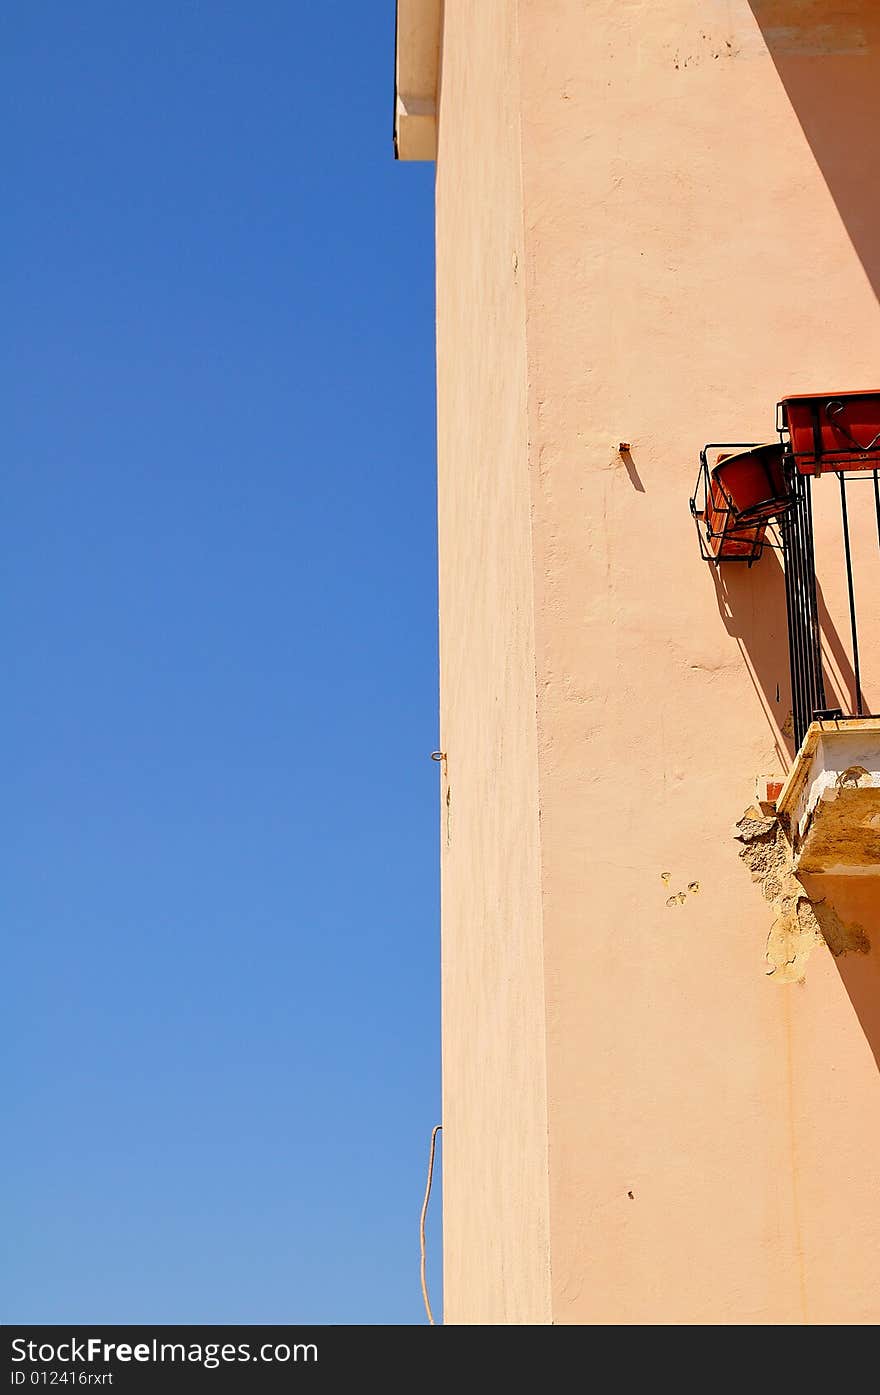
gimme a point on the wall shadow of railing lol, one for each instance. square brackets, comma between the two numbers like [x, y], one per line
[751, 602]
[840, 678]
[828, 60]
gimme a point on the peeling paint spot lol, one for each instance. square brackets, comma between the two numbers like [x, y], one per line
[800, 923]
[754, 825]
[693, 888]
[665, 876]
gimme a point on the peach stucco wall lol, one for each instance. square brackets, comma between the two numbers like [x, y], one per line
[654, 218]
[496, 1230]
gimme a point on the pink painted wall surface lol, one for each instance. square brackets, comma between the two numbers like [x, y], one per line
[653, 220]
[495, 1170]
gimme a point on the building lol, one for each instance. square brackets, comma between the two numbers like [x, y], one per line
[655, 219]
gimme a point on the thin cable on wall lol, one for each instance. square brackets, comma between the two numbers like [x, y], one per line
[434, 1132]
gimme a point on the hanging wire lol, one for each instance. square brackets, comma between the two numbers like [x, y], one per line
[434, 1132]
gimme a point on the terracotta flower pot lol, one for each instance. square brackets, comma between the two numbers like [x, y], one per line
[751, 484]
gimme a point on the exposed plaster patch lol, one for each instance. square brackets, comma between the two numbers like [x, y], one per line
[715, 49]
[680, 896]
[800, 922]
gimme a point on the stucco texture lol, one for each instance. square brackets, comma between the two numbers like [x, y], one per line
[495, 1172]
[653, 221]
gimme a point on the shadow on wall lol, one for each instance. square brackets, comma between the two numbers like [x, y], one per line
[828, 59]
[837, 670]
[848, 912]
[751, 601]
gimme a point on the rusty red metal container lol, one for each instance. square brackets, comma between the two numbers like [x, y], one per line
[833, 431]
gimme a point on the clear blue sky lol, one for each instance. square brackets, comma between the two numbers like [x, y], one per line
[218, 577]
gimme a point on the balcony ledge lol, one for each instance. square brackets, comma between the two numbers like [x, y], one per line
[830, 803]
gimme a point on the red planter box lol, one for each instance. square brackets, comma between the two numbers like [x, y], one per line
[833, 431]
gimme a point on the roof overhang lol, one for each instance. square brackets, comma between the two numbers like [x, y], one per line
[417, 67]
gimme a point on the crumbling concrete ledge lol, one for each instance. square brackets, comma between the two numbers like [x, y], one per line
[830, 804]
[800, 922]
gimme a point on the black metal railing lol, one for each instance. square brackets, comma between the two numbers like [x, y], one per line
[802, 608]
[804, 636]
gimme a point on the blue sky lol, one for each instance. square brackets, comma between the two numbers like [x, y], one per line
[218, 571]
